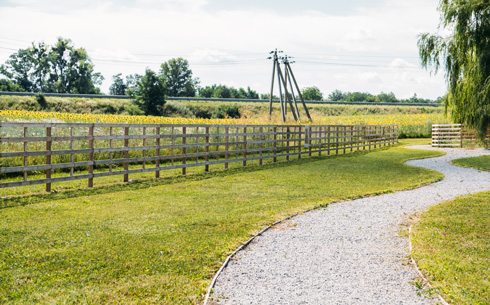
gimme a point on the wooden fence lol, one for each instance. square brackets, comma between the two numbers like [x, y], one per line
[455, 135]
[75, 149]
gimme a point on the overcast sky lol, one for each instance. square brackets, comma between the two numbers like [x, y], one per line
[350, 45]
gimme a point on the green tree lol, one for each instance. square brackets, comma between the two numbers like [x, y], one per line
[178, 78]
[60, 68]
[337, 96]
[252, 94]
[150, 93]
[387, 97]
[7, 85]
[222, 91]
[132, 83]
[118, 86]
[207, 91]
[465, 56]
[358, 96]
[312, 94]
[18, 68]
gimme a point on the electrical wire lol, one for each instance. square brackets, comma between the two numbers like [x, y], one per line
[240, 58]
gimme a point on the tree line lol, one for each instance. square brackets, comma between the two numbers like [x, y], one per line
[62, 68]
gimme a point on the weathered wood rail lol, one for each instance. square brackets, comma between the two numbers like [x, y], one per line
[77, 148]
[455, 135]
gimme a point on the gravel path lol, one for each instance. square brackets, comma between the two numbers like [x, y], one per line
[349, 253]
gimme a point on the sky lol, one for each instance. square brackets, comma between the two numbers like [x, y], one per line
[349, 45]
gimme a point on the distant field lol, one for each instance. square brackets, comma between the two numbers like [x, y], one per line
[414, 122]
[249, 110]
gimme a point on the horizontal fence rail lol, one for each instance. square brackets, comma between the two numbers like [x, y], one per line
[455, 135]
[76, 149]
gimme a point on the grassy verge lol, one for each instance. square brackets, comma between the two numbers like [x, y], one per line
[161, 241]
[481, 162]
[452, 244]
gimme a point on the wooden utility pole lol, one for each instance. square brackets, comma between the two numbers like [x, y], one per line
[283, 81]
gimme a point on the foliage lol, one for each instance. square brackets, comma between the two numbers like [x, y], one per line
[359, 97]
[387, 97]
[383, 97]
[9, 86]
[223, 91]
[118, 86]
[60, 68]
[41, 101]
[337, 96]
[465, 56]
[266, 96]
[178, 78]
[116, 246]
[150, 93]
[312, 94]
[226, 111]
[177, 110]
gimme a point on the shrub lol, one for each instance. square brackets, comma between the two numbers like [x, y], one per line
[226, 111]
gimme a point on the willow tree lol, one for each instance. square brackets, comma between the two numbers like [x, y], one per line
[464, 53]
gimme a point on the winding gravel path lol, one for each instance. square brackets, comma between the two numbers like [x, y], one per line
[348, 253]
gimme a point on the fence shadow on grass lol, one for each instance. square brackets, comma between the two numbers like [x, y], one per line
[22, 200]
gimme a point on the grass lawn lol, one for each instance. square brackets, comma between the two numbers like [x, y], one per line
[452, 244]
[161, 241]
[481, 163]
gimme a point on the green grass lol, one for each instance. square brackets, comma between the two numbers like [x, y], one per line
[481, 162]
[161, 241]
[452, 244]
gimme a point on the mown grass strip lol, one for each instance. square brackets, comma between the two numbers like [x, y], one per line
[481, 162]
[452, 244]
[162, 242]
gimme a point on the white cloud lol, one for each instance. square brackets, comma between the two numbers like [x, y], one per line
[400, 63]
[126, 30]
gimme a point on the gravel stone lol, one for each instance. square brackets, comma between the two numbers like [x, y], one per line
[348, 253]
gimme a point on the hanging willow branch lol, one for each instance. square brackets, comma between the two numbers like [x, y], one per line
[465, 56]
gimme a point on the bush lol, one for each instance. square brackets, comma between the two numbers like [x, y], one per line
[226, 111]
[175, 109]
[41, 100]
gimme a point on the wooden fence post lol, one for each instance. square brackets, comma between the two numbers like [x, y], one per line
[328, 139]
[227, 138]
[308, 132]
[144, 145]
[157, 151]
[337, 136]
[461, 135]
[48, 158]
[275, 144]
[244, 146]
[320, 147]
[26, 133]
[184, 150]
[206, 167]
[299, 135]
[344, 137]
[126, 153]
[91, 156]
[287, 143]
[110, 147]
[351, 138]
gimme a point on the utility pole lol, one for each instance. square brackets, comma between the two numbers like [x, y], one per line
[283, 81]
[290, 71]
